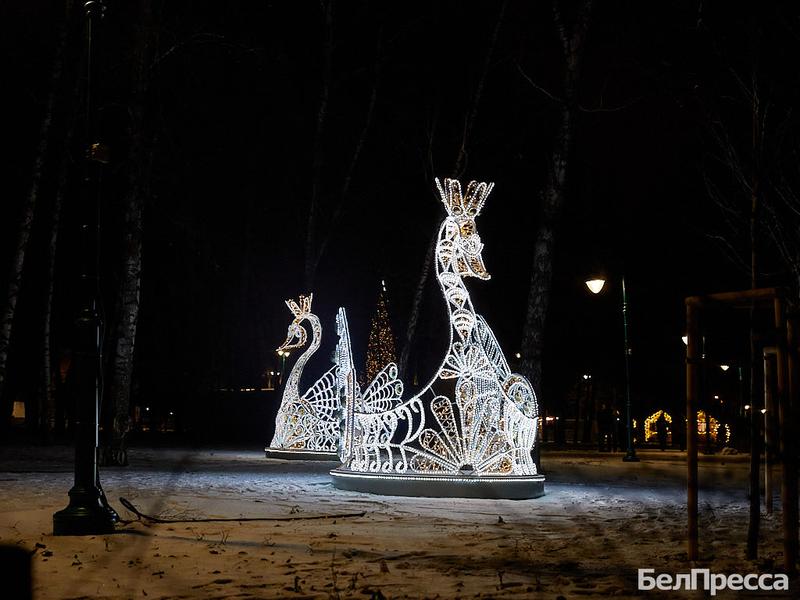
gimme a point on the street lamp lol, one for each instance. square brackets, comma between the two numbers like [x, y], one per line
[595, 285]
[284, 354]
[88, 512]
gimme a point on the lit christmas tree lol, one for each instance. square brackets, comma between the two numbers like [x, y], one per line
[380, 347]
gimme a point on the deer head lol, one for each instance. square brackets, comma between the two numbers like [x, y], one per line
[296, 335]
[462, 208]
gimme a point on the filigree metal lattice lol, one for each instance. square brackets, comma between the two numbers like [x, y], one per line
[475, 418]
[307, 423]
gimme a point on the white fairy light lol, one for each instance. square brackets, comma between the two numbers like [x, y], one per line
[474, 421]
[307, 425]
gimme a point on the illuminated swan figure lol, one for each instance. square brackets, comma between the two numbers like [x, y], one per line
[307, 426]
[472, 429]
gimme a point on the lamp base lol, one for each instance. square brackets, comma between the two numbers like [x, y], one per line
[86, 514]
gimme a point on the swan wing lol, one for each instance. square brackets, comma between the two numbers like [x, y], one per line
[384, 392]
[323, 397]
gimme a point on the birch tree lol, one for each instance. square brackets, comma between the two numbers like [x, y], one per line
[318, 236]
[554, 195]
[28, 210]
[140, 162]
[459, 167]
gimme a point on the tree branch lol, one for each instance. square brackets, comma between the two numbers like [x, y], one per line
[536, 86]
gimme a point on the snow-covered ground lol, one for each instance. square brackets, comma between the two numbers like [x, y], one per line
[600, 520]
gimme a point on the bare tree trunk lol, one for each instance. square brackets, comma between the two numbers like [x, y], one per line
[459, 167]
[348, 178]
[127, 305]
[48, 383]
[48, 392]
[319, 155]
[416, 305]
[461, 160]
[553, 197]
[754, 522]
[128, 318]
[317, 238]
[27, 215]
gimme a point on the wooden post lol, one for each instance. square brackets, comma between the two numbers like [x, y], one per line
[769, 405]
[789, 449]
[692, 365]
[754, 480]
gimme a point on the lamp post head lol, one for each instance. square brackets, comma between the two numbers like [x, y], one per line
[595, 284]
[724, 367]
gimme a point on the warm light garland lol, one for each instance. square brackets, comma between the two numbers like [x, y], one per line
[380, 345]
[650, 428]
[475, 419]
[309, 424]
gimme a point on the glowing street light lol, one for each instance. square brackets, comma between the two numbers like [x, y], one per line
[595, 285]
[724, 367]
[284, 354]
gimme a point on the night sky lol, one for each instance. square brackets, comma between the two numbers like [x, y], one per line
[234, 95]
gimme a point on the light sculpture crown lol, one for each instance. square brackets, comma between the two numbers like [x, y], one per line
[470, 431]
[296, 336]
[302, 307]
[307, 425]
[467, 205]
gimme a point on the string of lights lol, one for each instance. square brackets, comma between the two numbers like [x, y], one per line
[475, 418]
[306, 424]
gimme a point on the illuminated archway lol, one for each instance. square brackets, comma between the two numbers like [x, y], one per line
[651, 425]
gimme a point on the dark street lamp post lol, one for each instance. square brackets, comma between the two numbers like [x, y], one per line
[88, 512]
[595, 285]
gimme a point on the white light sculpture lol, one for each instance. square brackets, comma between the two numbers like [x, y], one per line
[469, 432]
[307, 426]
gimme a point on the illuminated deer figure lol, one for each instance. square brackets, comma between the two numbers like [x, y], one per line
[472, 429]
[307, 425]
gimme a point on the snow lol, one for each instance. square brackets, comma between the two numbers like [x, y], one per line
[600, 520]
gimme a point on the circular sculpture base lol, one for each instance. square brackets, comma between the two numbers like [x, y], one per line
[285, 454]
[511, 487]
